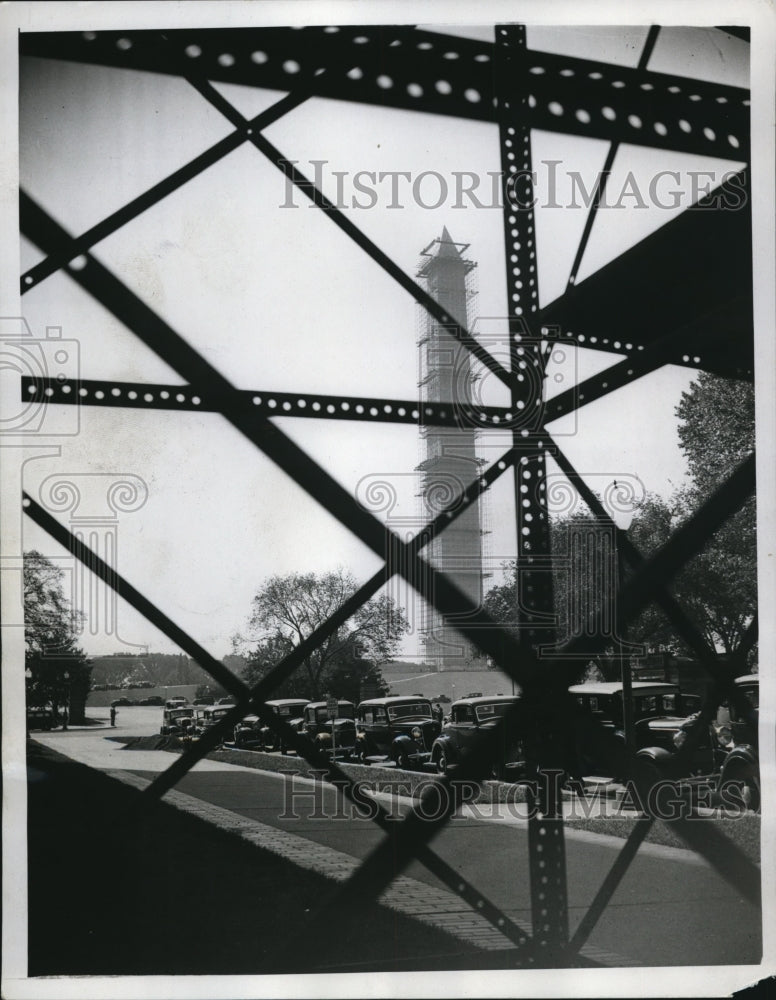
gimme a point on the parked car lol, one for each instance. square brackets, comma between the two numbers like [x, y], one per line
[119, 702]
[666, 737]
[290, 710]
[470, 719]
[41, 717]
[742, 763]
[247, 732]
[317, 726]
[725, 747]
[177, 721]
[207, 716]
[400, 727]
[153, 699]
[175, 702]
[659, 710]
[226, 701]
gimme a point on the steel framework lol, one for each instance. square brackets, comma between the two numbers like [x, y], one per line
[681, 296]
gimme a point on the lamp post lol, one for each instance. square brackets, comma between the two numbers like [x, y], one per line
[626, 677]
[66, 679]
[28, 677]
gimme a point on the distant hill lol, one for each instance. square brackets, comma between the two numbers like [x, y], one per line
[159, 669]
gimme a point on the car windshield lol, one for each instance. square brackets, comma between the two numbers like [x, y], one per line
[181, 713]
[653, 704]
[343, 712]
[493, 711]
[411, 710]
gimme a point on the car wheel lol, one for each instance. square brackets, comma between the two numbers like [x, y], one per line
[751, 794]
[749, 786]
[402, 760]
[442, 763]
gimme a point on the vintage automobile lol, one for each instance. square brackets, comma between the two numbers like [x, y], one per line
[470, 720]
[728, 734]
[206, 717]
[741, 766]
[177, 721]
[41, 717]
[400, 727]
[331, 734]
[247, 732]
[177, 702]
[121, 703]
[290, 710]
[658, 712]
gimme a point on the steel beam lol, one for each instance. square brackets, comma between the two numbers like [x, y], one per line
[535, 606]
[157, 396]
[436, 74]
[691, 279]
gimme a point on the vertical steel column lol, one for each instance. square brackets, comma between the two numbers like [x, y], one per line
[535, 610]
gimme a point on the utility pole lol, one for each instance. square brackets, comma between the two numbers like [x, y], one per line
[625, 670]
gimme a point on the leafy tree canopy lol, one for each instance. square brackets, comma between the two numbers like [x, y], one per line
[288, 609]
[716, 428]
[57, 670]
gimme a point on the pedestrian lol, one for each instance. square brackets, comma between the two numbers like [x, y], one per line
[64, 718]
[113, 714]
[438, 713]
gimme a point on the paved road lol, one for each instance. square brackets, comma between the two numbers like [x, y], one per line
[671, 908]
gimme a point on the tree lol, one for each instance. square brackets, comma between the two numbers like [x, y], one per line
[718, 587]
[716, 428]
[266, 654]
[584, 584]
[288, 609]
[58, 673]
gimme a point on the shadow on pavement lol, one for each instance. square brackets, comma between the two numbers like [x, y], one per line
[170, 894]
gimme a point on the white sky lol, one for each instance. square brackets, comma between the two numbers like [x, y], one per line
[280, 299]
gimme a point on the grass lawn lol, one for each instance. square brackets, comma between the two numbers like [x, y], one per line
[743, 831]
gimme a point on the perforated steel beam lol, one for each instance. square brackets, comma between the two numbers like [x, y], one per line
[535, 605]
[157, 396]
[439, 74]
